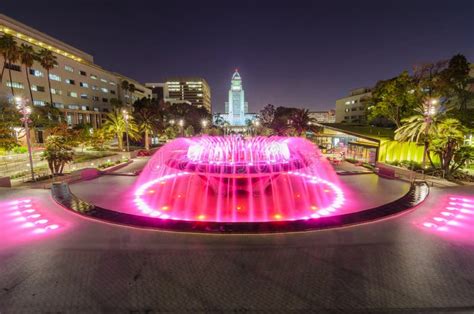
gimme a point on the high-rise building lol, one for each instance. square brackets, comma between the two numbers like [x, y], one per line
[353, 108]
[236, 109]
[194, 90]
[81, 89]
[157, 90]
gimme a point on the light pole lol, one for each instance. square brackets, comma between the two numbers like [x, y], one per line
[26, 111]
[430, 110]
[181, 124]
[204, 125]
[125, 116]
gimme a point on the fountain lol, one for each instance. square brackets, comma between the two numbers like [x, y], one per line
[236, 179]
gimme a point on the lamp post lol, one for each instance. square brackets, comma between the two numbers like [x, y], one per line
[430, 110]
[181, 125]
[204, 125]
[26, 111]
[126, 116]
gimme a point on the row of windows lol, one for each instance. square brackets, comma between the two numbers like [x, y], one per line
[38, 73]
[38, 88]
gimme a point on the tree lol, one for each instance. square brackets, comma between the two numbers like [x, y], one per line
[146, 120]
[99, 138]
[57, 153]
[9, 50]
[7, 137]
[116, 124]
[301, 121]
[267, 114]
[189, 131]
[394, 99]
[454, 81]
[48, 62]
[419, 126]
[447, 141]
[463, 156]
[27, 58]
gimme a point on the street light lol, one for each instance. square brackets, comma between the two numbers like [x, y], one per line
[430, 110]
[26, 111]
[204, 125]
[181, 124]
[126, 117]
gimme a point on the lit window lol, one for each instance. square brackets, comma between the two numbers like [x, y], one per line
[85, 108]
[55, 91]
[94, 87]
[94, 77]
[36, 73]
[84, 96]
[58, 105]
[69, 81]
[112, 83]
[68, 68]
[37, 88]
[75, 107]
[39, 103]
[103, 80]
[72, 94]
[105, 90]
[15, 85]
[84, 84]
[54, 77]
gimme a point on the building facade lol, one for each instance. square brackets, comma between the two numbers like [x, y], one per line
[193, 90]
[236, 108]
[328, 116]
[353, 108]
[79, 88]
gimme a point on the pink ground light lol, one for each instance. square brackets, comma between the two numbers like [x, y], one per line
[23, 219]
[454, 219]
[233, 179]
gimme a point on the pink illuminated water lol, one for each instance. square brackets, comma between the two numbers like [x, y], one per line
[236, 179]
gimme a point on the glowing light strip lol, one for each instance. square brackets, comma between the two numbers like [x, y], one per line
[36, 42]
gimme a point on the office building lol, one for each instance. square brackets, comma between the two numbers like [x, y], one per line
[353, 108]
[193, 90]
[81, 89]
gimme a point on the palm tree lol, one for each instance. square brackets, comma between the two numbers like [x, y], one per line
[124, 85]
[146, 119]
[116, 124]
[301, 121]
[48, 61]
[27, 58]
[445, 143]
[9, 51]
[131, 90]
[419, 126]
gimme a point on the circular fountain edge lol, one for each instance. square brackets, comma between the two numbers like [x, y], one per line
[63, 196]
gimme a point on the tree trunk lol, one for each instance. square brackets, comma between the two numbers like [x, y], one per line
[29, 84]
[3, 71]
[147, 146]
[11, 82]
[49, 89]
[120, 140]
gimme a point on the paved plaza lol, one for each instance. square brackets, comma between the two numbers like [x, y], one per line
[392, 265]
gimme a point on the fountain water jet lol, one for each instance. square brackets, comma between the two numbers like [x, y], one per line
[236, 179]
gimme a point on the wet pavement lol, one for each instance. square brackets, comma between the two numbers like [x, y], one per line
[393, 265]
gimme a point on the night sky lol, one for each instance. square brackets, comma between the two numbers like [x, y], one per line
[291, 53]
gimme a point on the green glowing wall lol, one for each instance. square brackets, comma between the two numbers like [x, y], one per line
[397, 151]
